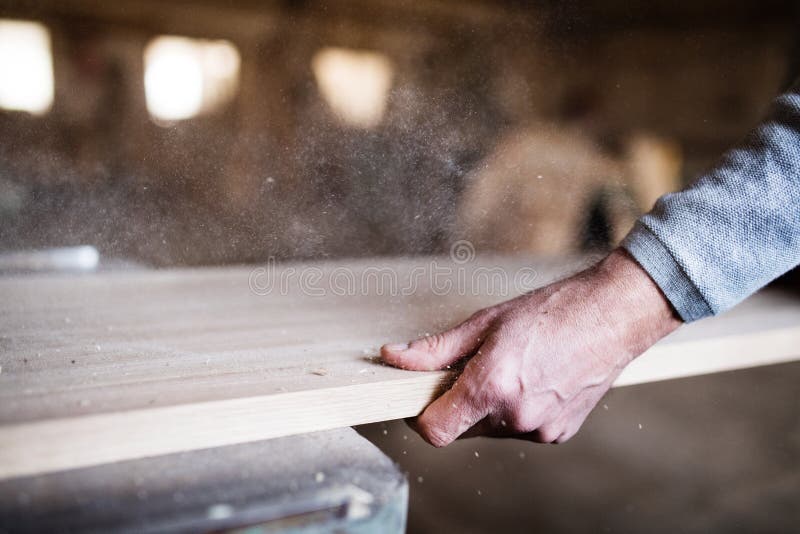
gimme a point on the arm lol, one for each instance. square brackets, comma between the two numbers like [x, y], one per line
[736, 228]
[542, 361]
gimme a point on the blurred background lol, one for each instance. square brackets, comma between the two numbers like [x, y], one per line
[206, 132]
[197, 132]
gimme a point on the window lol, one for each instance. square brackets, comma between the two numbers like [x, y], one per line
[26, 67]
[186, 77]
[354, 83]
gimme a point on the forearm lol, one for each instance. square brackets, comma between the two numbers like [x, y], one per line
[736, 228]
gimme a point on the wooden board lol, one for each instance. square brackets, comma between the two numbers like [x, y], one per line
[114, 366]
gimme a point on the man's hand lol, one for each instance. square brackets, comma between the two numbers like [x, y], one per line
[540, 362]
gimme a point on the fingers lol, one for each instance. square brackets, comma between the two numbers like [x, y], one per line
[492, 426]
[439, 350]
[569, 420]
[459, 409]
[540, 421]
[484, 427]
[573, 417]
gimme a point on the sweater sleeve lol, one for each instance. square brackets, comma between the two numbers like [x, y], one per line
[733, 230]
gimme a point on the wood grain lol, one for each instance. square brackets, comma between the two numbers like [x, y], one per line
[114, 366]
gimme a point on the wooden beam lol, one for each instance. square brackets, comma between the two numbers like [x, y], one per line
[117, 366]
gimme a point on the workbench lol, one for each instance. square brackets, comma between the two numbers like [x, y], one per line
[107, 375]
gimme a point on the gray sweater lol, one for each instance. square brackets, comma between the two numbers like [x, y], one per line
[734, 229]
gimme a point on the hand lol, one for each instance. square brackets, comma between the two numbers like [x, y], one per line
[540, 362]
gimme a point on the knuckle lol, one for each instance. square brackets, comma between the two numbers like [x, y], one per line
[431, 343]
[521, 422]
[549, 433]
[493, 389]
[474, 394]
[482, 317]
[516, 426]
[500, 388]
[563, 438]
[504, 385]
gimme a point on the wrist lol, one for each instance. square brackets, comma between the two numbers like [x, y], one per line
[636, 306]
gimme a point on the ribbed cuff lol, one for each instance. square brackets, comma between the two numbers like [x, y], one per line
[648, 250]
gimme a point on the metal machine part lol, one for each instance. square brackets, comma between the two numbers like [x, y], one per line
[321, 482]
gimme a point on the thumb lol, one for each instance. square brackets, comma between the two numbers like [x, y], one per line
[439, 350]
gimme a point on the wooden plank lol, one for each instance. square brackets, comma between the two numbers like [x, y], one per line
[117, 366]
